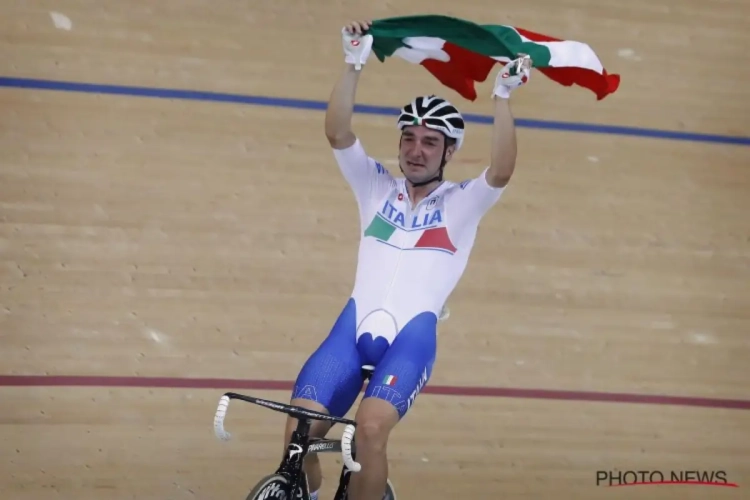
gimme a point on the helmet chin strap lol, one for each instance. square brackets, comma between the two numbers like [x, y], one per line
[438, 177]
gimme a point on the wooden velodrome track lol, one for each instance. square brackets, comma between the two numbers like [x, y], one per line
[151, 246]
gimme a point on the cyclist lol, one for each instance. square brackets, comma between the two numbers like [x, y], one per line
[417, 232]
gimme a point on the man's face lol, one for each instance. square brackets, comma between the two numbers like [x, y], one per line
[421, 152]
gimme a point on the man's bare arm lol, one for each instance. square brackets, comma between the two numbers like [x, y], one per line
[338, 123]
[504, 145]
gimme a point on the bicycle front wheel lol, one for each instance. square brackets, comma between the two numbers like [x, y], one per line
[271, 487]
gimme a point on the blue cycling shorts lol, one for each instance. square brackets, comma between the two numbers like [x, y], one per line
[332, 375]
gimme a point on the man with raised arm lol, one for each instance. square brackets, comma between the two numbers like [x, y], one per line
[417, 232]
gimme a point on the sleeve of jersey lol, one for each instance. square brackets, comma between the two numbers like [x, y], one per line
[366, 176]
[475, 198]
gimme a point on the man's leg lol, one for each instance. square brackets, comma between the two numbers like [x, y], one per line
[398, 378]
[375, 418]
[329, 382]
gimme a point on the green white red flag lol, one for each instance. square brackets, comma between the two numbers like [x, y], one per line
[460, 53]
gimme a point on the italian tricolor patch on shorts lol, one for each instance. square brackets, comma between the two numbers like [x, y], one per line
[389, 380]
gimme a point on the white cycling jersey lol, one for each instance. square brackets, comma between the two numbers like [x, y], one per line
[410, 259]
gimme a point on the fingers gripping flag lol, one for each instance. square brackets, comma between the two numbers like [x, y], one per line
[460, 53]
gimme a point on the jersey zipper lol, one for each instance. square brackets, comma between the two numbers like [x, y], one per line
[401, 252]
[408, 212]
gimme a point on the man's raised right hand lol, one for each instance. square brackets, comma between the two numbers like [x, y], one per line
[357, 44]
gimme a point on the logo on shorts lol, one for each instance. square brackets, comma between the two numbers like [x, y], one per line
[390, 380]
[420, 386]
[386, 393]
[307, 392]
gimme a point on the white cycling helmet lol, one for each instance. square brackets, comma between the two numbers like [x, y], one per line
[435, 113]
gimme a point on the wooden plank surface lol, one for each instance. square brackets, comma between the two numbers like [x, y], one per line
[197, 239]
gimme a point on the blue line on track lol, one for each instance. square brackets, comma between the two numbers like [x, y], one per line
[256, 100]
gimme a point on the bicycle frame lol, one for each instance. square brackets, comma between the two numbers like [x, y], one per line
[300, 444]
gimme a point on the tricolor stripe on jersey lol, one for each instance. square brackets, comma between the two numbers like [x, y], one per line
[435, 238]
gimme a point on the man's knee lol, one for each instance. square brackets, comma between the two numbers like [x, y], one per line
[375, 419]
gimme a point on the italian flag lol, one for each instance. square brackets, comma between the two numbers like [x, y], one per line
[460, 53]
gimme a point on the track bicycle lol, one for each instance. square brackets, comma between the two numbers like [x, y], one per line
[288, 481]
